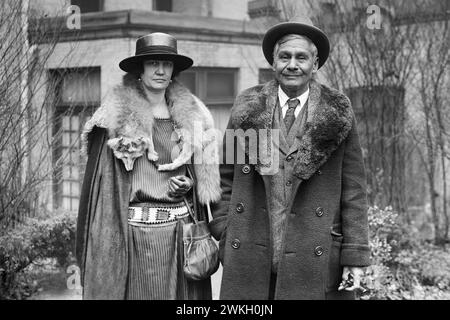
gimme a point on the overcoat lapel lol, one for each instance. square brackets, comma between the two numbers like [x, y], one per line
[256, 112]
[328, 123]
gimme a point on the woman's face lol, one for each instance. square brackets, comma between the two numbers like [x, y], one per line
[157, 74]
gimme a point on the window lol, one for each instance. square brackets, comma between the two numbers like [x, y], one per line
[216, 87]
[262, 8]
[88, 5]
[78, 95]
[265, 75]
[162, 5]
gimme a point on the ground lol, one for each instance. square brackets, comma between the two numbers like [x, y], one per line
[53, 286]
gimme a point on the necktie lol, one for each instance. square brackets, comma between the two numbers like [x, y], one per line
[289, 118]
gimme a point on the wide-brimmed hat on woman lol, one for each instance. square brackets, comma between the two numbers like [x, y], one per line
[300, 25]
[155, 46]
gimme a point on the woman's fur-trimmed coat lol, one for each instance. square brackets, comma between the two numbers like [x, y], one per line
[326, 227]
[129, 122]
[119, 132]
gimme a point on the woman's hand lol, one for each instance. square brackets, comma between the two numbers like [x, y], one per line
[179, 186]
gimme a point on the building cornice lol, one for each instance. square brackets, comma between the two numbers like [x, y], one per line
[134, 23]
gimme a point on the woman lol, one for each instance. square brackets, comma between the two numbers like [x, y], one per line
[134, 197]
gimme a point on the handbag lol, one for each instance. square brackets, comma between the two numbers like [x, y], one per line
[201, 254]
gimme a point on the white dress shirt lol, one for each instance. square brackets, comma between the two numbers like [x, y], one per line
[283, 99]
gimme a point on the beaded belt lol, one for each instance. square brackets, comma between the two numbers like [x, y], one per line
[156, 215]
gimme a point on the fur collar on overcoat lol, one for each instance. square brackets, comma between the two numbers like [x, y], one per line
[126, 115]
[329, 121]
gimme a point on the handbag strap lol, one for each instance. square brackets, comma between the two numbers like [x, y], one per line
[191, 213]
[201, 214]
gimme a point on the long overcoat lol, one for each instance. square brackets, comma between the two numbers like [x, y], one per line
[102, 229]
[326, 226]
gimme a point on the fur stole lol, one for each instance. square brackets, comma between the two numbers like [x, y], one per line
[126, 115]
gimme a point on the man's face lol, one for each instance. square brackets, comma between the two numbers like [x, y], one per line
[294, 64]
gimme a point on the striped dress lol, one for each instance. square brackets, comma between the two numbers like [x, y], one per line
[156, 251]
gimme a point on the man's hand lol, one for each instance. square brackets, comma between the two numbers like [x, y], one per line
[351, 279]
[179, 186]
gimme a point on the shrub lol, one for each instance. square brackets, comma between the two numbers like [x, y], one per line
[404, 267]
[55, 238]
[35, 240]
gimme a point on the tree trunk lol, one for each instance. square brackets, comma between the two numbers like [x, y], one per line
[431, 172]
[444, 195]
[434, 214]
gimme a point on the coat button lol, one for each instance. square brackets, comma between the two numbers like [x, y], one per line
[240, 207]
[289, 183]
[235, 244]
[318, 250]
[289, 158]
[246, 169]
[319, 211]
[319, 172]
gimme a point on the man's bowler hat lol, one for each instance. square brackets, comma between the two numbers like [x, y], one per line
[300, 25]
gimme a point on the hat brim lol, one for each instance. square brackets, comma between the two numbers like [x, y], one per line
[134, 64]
[317, 36]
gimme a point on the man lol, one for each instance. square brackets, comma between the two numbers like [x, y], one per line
[301, 232]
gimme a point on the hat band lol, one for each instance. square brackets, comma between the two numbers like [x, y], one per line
[156, 50]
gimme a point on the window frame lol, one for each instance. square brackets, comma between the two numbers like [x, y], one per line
[265, 71]
[59, 110]
[101, 6]
[201, 81]
[82, 112]
[154, 5]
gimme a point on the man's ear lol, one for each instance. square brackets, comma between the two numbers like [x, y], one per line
[316, 65]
